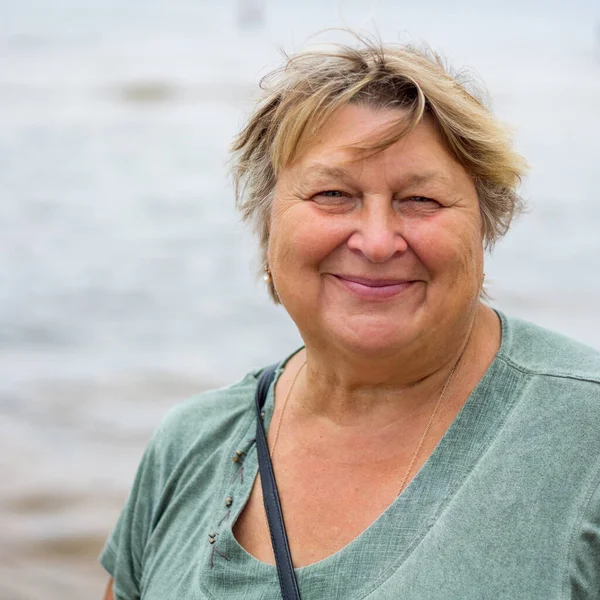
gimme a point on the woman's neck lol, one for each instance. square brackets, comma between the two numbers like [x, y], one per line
[348, 391]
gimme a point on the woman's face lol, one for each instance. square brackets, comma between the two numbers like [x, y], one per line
[373, 255]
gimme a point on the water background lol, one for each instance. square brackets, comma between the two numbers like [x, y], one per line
[126, 280]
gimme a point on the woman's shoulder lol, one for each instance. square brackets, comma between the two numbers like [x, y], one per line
[206, 419]
[539, 351]
[214, 404]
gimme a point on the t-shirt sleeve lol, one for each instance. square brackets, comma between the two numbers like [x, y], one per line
[585, 573]
[123, 552]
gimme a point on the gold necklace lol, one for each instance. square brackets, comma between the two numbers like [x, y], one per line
[272, 450]
[287, 397]
[428, 426]
[419, 445]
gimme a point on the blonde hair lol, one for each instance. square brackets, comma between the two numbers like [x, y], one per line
[298, 98]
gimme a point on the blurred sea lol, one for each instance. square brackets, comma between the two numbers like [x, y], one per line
[126, 280]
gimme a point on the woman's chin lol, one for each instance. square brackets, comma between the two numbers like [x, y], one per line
[372, 340]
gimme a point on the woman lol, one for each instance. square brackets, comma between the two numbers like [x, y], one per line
[424, 445]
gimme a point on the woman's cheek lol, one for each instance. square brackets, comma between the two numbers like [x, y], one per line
[318, 236]
[445, 242]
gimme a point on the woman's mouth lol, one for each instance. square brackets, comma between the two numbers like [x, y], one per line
[374, 288]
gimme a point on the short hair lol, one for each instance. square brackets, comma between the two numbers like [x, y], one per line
[300, 96]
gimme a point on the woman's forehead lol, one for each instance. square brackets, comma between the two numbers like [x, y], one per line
[354, 131]
[340, 151]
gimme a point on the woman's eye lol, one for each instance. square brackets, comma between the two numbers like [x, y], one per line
[331, 194]
[331, 197]
[421, 199]
[420, 202]
[418, 205]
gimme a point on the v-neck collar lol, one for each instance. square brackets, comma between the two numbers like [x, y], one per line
[381, 549]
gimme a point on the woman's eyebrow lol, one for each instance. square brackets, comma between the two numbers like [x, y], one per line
[320, 171]
[420, 178]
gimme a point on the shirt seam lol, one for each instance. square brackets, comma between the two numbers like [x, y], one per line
[442, 507]
[544, 373]
[158, 441]
[577, 527]
[247, 429]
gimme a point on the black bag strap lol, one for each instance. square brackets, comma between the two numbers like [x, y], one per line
[279, 540]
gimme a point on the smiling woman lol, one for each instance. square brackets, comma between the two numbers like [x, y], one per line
[422, 444]
[402, 225]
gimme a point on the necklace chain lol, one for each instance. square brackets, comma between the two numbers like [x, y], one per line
[287, 397]
[276, 437]
[427, 427]
[421, 440]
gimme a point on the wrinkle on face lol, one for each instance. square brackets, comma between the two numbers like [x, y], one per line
[444, 245]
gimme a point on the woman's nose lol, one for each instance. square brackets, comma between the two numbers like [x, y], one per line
[378, 232]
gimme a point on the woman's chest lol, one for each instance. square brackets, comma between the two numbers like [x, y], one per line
[326, 505]
[422, 547]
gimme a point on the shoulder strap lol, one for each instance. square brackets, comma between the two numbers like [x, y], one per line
[279, 540]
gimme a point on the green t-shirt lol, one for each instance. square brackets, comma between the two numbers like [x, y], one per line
[507, 507]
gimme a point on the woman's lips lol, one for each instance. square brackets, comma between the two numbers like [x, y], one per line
[374, 289]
